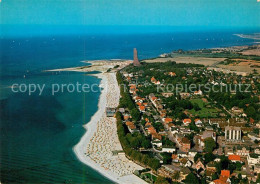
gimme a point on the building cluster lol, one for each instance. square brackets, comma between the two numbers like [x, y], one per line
[229, 132]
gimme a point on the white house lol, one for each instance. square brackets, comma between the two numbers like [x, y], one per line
[185, 162]
[157, 143]
[253, 159]
[174, 130]
[198, 123]
[192, 153]
[198, 92]
[168, 149]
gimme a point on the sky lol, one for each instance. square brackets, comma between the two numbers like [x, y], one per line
[196, 13]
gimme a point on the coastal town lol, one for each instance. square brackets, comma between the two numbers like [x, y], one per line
[130, 92]
[192, 135]
[176, 122]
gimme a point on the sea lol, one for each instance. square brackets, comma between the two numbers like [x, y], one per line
[38, 131]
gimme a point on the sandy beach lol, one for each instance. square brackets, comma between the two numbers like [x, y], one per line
[100, 140]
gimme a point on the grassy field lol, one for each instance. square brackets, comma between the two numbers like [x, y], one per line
[205, 111]
[195, 60]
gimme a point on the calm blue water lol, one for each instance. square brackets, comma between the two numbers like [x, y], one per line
[38, 132]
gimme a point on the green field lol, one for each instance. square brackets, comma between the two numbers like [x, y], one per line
[205, 111]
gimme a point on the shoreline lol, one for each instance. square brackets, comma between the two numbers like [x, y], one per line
[92, 127]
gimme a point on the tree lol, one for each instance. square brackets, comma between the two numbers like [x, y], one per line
[196, 107]
[224, 162]
[238, 166]
[146, 144]
[145, 158]
[231, 167]
[250, 111]
[210, 145]
[258, 178]
[197, 156]
[209, 157]
[154, 163]
[176, 175]
[215, 176]
[167, 159]
[135, 114]
[239, 176]
[161, 180]
[191, 179]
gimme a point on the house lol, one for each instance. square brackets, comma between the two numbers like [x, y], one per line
[198, 122]
[168, 171]
[229, 150]
[169, 125]
[185, 162]
[147, 125]
[257, 168]
[211, 166]
[198, 92]
[209, 174]
[131, 127]
[145, 104]
[168, 149]
[122, 110]
[156, 140]
[217, 160]
[217, 121]
[138, 103]
[186, 122]
[129, 123]
[154, 81]
[242, 151]
[174, 130]
[152, 97]
[172, 74]
[132, 89]
[185, 95]
[192, 154]
[257, 151]
[181, 154]
[253, 159]
[234, 158]
[236, 110]
[184, 130]
[142, 108]
[110, 112]
[223, 178]
[219, 181]
[199, 165]
[167, 120]
[126, 117]
[253, 136]
[151, 130]
[175, 158]
[225, 173]
[183, 143]
[158, 82]
[167, 95]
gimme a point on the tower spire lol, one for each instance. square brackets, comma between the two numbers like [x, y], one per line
[136, 61]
